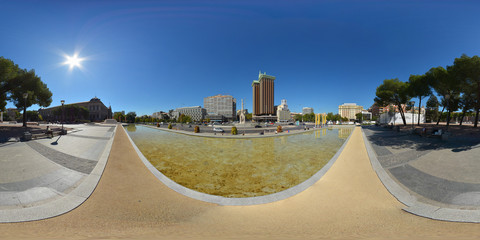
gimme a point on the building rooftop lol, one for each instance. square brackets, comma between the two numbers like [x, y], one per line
[264, 75]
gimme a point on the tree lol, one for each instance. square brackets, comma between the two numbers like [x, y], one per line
[330, 116]
[34, 116]
[393, 91]
[467, 102]
[15, 82]
[184, 118]
[131, 117]
[248, 117]
[448, 85]
[8, 71]
[72, 113]
[298, 117]
[419, 87]
[432, 108]
[119, 116]
[359, 116]
[467, 70]
[38, 93]
[309, 117]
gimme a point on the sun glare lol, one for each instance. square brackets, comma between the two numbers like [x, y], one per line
[73, 61]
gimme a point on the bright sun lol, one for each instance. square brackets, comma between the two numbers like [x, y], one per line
[73, 61]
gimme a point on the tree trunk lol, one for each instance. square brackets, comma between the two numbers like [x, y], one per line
[476, 117]
[463, 115]
[448, 117]
[438, 121]
[25, 115]
[419, 108]
[403, 116]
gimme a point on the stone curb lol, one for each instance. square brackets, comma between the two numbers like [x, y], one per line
[239, 201]
[246, 136]
[413, 205]
[66, 203]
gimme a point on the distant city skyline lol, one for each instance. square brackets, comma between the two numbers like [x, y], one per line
[148, 56]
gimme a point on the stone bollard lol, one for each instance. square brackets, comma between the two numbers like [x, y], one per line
[27, 136]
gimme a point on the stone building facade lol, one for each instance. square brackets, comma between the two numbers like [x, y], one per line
[197, 113]
[97, 111]
[223, 105]
[349, 110]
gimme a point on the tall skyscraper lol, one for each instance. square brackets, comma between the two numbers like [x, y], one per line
[263, 95]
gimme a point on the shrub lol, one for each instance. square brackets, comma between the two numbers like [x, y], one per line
[279, 129]
[196, 129]
[169, 126]
[234, 131]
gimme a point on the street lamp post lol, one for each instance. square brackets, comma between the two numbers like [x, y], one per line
[25, 96]
[63, 115]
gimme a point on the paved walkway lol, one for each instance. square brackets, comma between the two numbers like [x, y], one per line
[50, 176]
[349, 202]
[441, 175]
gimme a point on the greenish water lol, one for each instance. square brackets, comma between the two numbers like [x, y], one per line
[238, 167]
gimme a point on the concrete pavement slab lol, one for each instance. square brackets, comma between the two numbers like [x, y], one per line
[85, 148]
[17, 160]
[424, 194]
[67, 182]
[462, 166]
[65, 160]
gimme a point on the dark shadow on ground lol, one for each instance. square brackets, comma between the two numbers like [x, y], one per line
[386, 137]
[56, 141]
[7, 132]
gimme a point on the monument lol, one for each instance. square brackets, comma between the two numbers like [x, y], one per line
[242, 115]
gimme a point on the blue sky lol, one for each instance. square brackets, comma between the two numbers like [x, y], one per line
[147, 56]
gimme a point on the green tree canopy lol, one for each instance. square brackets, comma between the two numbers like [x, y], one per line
[71, 113]
[184, 118]
[119, 116]
[359, 116]
[8, 71]
[15, 82]
[432, 108]
[467, 71]
[309, 117]
[419, 87]
[131, 117]
[448, 85]
[393, 91]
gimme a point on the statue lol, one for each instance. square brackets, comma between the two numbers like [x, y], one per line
[242, 115]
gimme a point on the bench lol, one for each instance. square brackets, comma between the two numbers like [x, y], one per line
[435, 133]
[47, 133]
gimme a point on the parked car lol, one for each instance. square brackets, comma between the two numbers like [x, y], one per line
[258, 126]
[218, 130]
[290, 123]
